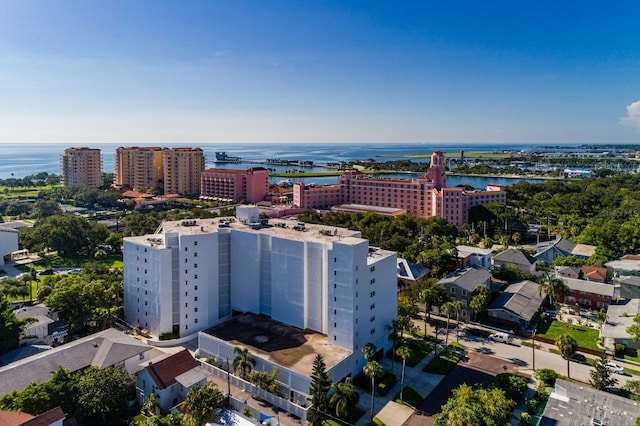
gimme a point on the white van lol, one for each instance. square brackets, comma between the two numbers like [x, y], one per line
[500, 337]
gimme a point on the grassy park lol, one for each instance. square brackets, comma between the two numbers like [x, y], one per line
[586, 337]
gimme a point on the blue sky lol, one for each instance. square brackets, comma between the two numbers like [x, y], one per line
[319, 71]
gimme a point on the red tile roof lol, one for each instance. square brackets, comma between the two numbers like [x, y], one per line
[164, 372]
[47, 418]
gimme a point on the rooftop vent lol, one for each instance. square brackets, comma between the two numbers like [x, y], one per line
[191, 222]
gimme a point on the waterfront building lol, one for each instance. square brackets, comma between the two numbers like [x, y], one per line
[138, 167]
[325, 285]
[182, 169]
[82, 167]
[166, 170]
[426, 196]
[251, 185]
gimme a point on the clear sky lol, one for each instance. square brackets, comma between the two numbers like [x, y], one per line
[126, 71]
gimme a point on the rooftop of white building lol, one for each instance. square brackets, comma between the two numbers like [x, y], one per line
[282, 228]
[278, 343]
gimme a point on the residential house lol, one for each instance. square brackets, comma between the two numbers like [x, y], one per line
[561, 247]
[518, 305]
[38, 330]
[629, 286]
[575, 404]
[523, 261]
[594, 273]
[53, 417]
[567, 272]
[462, 283]
[409, 272]
[103, 349]
[625, 266]
[169, 378]
[588, 294]
[619, 318]
[476, 256]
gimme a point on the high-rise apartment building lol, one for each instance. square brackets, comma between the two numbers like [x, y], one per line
[82, 167]
[167, 170]
[426, 196]
[182, 168]
[251, 185]
[193, 274]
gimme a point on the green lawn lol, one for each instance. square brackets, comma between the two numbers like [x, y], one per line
[585, 336]
[354, 415]
[443, 363]
[409, 397]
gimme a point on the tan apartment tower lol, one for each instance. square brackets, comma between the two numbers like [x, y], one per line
[164, 170]
[182, 168]
[139, 168]
[82, 167]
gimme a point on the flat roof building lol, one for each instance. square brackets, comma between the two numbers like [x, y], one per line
[426, 196]
[251, 185]
[195, 274]
[82, 167]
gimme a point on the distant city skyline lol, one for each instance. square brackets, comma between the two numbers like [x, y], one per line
[90, 72]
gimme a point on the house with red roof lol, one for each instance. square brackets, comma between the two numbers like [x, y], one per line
[169, 377]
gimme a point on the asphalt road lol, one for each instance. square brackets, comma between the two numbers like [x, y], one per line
[523, 357]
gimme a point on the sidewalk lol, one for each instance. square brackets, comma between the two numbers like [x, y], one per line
[421, 382]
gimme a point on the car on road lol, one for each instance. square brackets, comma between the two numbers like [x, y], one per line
[500, 337]
[579, 358]
[611, 366]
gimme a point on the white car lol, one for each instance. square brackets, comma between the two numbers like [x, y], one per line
[614, 367]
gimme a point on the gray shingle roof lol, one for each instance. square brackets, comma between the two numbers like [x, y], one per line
[103, 349]
[592, 287]
[468, 278]
[520, 299]
[514, 256]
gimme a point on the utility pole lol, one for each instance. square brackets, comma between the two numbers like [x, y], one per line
[228, 385]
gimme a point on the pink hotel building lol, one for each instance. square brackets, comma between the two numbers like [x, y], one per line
[426, 196]
[251, 185]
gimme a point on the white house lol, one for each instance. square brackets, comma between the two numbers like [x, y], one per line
[169, 377]
[190, 276]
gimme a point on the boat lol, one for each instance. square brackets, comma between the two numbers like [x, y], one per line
[287, 183]
[222, 157]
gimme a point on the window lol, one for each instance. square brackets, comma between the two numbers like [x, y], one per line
[186, 293]
[372, 331]
[453, 290]
[186, 305]
[335, 299]
[373, 281]
[195, 243]
[195, 265]
[372, 306]
[335, 324]
[195, 288]
[195, 299]
[186, 249]
[195, 309]
[373, 268]
[464, 292]
[334, 285]
[372, 319]
[195, 276]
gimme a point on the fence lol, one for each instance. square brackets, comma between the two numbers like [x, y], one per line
[264, 395]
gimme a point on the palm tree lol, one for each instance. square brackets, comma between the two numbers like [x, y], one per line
[553, 286]
[369, 349]
[372, 370]
[567, 346]
[393, 327]
[447, 308]
[480, 299]
[457, 308]
[345, 396]
[404, 352]
[243, 362]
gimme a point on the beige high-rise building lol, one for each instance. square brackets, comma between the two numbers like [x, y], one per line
[139, 167]
[182, 168]
[167, 170]
[82, 167]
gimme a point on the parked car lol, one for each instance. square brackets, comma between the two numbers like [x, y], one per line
[579, 358]
[614, 367]
[500, 337]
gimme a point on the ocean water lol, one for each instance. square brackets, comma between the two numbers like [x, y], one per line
[19, 160]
